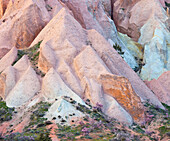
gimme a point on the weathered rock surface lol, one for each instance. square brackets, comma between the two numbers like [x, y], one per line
[145, 21]
[54, 87]
[122, 91]
[156, 50]
[8, 59]
[76, 58]
[80, 63]
[19, 83]
[22, 22]
[25, 88]
[118, 66]
[161, 87]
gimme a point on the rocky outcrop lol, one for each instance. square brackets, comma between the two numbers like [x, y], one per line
[145, 21]
[22, 22]
[77, 58]
[19, 83]
[54, 87]
[122, 91]
[91, 15]
[77, 66]
[27, 86]
[161, 87]
[118, 66]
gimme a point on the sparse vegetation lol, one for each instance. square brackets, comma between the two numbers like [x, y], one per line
[39, 134]
[48, 7]
[95, 125]
[36, 130]
[37, 118]
[118, 49]
[5, 112]
[33, 55]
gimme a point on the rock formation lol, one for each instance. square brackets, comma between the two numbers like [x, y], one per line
[161, 87]
[133, 19]
[68, 53]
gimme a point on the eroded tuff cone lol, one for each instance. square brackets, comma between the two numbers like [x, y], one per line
[53, 54]
[91, 15]
[11, 75]
[18, 83]
[83, 70]
[94, 92]
[27, 86]
[8, 59]
[119, 67]
[123, 91]
[22, 22]
[161, 87]
[53, 87]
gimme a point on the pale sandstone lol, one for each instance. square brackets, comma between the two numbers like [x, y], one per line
[25, 89]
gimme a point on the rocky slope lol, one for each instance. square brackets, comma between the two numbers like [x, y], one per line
[60, 60]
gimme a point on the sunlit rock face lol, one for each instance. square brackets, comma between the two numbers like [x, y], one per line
[77, 57]
[19, 83]
[21, 22]
[146, 22]
[81, 65]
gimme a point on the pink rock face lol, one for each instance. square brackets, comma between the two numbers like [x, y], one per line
[121, 17]
[8, 59]
[130, 15]
[3, 6]
[80, 63]
[21, 22]
[161, 87]
[3, 52]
